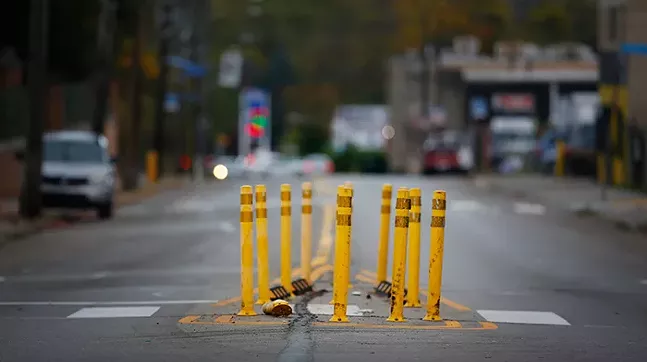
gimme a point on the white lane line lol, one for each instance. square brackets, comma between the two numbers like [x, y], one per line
[530, 209]
[523, 317]
[106, 303]
[114, 312]
[327, 309]
[465, 205]
[2, 279]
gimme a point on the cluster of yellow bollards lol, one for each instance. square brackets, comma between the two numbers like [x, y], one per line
[247, 246]
[407, 231]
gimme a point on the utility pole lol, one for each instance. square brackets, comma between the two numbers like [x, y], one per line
[131, 175]
[31, 199]
[105, 45]
[197, 82]
[162, 87]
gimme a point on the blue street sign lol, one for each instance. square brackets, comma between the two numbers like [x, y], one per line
[478, 108]
[190, 68]
[634, 48]
[171, 102]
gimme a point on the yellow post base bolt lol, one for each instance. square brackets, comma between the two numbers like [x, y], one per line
[263, 256]
[246, 252]
[286, 236]
[437, 246]
[402, 208]
[385, 220]
[342, 251]
[306, 231]
[413, 260]
[152, 170]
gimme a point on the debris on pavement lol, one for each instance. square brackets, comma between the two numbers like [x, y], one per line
[357, 293]
[277, 308]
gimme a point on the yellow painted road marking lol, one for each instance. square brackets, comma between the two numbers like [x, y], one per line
[368, 276]
[444, 325]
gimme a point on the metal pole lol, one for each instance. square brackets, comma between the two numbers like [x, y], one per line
[105, 44]
[30, 200]
[162, 87]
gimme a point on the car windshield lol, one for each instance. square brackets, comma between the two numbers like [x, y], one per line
[73, 151]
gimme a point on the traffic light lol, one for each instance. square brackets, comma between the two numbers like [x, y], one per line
[258, 115]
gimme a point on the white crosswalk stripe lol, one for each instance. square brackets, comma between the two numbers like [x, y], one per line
[529, 209]
[523, 317]
[114, 312]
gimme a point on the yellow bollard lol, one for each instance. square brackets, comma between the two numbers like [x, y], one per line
[437, 245]
[349, 185]
[263, 256]
[560, 160]
[152, 170]
[286, 236]
[342, 250]
[306, 231]
[385, 220]
[601, 168]
[413, 261]
[402, 208]
[246, 252]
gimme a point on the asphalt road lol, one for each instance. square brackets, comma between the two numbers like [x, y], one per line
[152, 284]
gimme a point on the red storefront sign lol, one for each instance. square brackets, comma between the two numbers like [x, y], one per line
[513, 103]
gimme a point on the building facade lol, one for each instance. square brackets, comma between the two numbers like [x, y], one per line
[622, 43]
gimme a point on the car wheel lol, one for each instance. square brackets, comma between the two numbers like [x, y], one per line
[105, 211]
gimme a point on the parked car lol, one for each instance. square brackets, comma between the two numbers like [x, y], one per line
[579, 150]
[449, 151]
[77, 172]
[318, 164]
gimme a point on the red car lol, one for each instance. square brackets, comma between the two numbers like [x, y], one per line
[447, 152]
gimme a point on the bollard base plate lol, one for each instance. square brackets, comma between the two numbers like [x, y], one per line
[383, 288]
[279, 292]
[301, 286]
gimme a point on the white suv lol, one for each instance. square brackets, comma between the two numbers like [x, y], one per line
[78, 172]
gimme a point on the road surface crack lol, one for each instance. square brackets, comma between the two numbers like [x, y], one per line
[300, 343]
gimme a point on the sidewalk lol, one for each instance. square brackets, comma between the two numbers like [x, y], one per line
[11, 226]
[625, 208]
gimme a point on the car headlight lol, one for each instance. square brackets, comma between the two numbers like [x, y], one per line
[220, 172]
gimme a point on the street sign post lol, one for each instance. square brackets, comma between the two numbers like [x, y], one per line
[231, 65]
[254, 119]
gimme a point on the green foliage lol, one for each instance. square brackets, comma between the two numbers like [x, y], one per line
[311, 138]
[355, 160]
